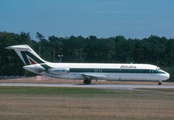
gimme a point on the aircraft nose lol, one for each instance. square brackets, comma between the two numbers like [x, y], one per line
[166, 76]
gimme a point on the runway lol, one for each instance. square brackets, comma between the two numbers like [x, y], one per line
[101, 86]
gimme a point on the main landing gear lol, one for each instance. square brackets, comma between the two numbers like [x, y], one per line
[87, 81]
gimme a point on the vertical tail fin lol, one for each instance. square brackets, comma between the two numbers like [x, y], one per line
[27, 55]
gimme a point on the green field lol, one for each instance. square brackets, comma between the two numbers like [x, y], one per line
[43, 103]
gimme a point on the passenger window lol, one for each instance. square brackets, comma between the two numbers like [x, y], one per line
[151, 71]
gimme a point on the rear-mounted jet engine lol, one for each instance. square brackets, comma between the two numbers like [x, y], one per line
[58, 71]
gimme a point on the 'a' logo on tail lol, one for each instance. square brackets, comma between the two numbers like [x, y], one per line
[30, 58]
[31, 61]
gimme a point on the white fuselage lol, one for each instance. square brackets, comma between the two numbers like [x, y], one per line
[143, 72]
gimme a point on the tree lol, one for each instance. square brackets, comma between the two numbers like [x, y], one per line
[24, 38]
[57, 46]
[40, 37]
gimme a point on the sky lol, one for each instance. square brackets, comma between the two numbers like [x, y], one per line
[101, 18]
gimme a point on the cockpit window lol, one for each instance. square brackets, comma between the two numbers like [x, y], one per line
[158, 68]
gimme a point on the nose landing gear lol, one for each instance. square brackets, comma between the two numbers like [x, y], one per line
[160, 82]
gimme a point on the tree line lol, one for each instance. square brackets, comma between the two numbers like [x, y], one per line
[152, 50]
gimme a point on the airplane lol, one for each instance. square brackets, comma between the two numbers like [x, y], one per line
[88, 71]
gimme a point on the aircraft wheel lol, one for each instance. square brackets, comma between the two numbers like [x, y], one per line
[159, 83]
[87, 81]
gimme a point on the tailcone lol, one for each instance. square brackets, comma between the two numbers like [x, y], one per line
[36, 68]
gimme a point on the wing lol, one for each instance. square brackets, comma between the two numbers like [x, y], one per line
[94, 76]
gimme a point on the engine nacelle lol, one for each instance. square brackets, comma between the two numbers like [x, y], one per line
[58, 71]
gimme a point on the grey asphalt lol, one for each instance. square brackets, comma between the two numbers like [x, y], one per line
[101, 86]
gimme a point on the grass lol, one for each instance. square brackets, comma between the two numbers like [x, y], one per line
[83, 103]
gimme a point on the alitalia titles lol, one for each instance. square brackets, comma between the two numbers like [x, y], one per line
[127, 67]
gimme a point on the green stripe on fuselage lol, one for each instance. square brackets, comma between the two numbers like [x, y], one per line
[115, 70]
[45, 66]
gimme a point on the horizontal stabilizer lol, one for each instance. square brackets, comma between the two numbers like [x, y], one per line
[27, 55]
[19, 47]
